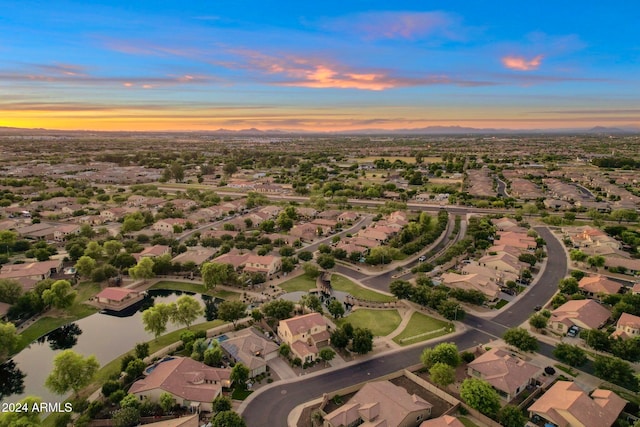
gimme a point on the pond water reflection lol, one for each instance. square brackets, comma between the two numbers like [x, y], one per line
[105, 335]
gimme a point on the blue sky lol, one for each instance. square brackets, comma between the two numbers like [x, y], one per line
[169, 65]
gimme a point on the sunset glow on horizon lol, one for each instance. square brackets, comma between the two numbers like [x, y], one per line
[176, 66]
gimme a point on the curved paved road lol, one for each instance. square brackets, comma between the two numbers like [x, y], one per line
[272, 406]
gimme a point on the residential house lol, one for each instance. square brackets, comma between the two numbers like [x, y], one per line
[117, 299]
[565, 404]
[271, 210]
[380, 403]
[166, 225]
[503, 261]
[114, 214]
[628, 326]
[196, 254]
[593, 286]
[348, 217]
[497, 276]
[472, 282]
[374, 234]
[324, 226]
[265, 264]
[28, 274]
[504, 223]
[631, 266]
[252, 349]
[307, 213]
[187, 421]
[305, 232]
[61, 232]
[153, 252]
[506, 373]
[190, 383]
[234, 257]
[586, 314]
[41, 231]
[635, 289]
[303, 334]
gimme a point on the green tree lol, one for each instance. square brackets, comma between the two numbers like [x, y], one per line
[401, 289]
[177, 171]
[215, 273]
[310, 270]
[481, 396]
[10, 291]
[130, 401]
[112, 247]
[538, 321]
[228, 419]
[568, 286]
[511, 416]
[336, 308]
[596, 261]
[187, 310]
[135, 368]
[596, 339]
[142, 350]
[239, 376]
[221, 404]
[126, 417]
[442, 374]
[362, 341]
[155, 319]
[143, 270]
[617, 371]
[22, 418]
[521, 339]
[94, 250]
[326, 261]
[446, 353]
[8, 340]
[305, 255]
[278, 309]
[85, 265]
[71, 372]
[167, 402]
[339, 338]
[232, 311]
[60, 295]
[577, 255]
[284, 350]
[572, 355]
[327, 354]
[312, 302]
[213, 356]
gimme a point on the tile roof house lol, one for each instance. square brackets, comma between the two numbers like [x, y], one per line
[586, 314]
[32, 270]
[472, 282]
[167, 224]
[265, 264]
[592, 286]
[632, 266]
[186, 421]
[196, 254]
[252, 349]
[443, 421]
[303, 334]
[508, 374]
[503, 261]
[191, 383]
[628, 326]
[117, 299]
[567, 405]
[382, 404]
[153, 251]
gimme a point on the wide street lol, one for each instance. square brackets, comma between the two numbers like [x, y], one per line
[271, 406]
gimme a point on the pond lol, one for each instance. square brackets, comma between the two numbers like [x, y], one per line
[104, 335]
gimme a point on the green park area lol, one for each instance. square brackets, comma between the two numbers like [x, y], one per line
[57, 318]
[380, 322]
[197, 288]
[298, 283]
[421, 328]
[341, 283]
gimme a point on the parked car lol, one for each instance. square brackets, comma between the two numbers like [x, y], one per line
[573, 331]
[537, 308]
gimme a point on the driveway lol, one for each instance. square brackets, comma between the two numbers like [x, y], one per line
[281, 368]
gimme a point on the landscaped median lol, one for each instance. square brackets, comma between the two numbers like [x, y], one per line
[421, 328]
[299, 283]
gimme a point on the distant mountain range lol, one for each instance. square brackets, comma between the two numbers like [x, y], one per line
[429, 130]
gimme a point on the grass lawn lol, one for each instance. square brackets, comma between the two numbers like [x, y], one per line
[419, 328]
[467, 422]
[341, 283]
[59, 318]
[240, 394]
[380, 322]
[299, 283]
[500, 304]
[196, 288]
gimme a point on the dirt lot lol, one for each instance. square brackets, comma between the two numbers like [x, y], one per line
[439, 406]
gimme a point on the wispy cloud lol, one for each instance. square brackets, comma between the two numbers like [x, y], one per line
[321, 73]
[521, 63]
[399, 25]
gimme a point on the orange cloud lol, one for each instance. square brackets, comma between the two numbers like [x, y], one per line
[520, 63]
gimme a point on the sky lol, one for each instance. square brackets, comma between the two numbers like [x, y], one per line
[168, 65]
